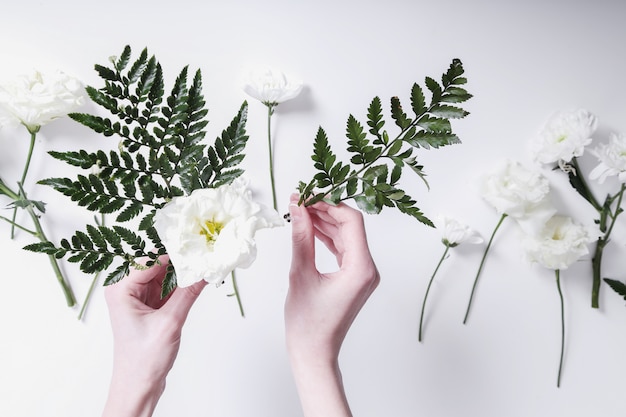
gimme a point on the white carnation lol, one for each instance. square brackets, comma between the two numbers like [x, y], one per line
[564, 136]
[561, 243]
[211, 232]
[519, 193]
[612, 158]
[39, 98]
[271, 87]
[454, 233]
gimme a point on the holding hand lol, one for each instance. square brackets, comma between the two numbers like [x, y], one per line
[320, 308]
[146, 334]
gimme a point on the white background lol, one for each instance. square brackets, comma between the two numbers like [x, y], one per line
[524, 60]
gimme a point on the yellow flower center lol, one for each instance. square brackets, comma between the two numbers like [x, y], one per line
[210, 229]
[561, 138]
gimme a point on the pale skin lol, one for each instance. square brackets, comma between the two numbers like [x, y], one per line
[319, 311]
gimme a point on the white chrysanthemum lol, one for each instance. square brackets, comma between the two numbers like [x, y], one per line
[271, 87]
[38, 98]
[519, 193]
[561, 243]
[612, 158]
[564, 136]
[211, 232]
[454, 233]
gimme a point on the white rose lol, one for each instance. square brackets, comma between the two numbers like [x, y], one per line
[271, 87]
[454, 233]
[564, 136]
[612, 158]
[211, 232]
[561, 243]
[519, 193]
[38, 98]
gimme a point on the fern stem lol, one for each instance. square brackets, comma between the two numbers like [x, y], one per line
[558, 286]
[33, 136]
[83, 308]
[270, 112]
[480, 267]
[445, 252]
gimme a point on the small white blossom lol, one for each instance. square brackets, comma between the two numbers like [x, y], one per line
[454, 233]
[564, 137]
[519, 193]
[39, 98]
[561, 243]
[211, 232]
[271, 87]
[612, 158]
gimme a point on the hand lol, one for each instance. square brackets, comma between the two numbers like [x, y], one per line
[320, 308]
[146, 335]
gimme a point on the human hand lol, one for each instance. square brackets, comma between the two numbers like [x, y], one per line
[146, 336]
[321, 307]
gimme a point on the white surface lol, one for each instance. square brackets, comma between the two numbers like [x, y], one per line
[523, 60]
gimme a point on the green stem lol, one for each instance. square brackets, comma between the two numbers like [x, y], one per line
[270, 112]
[18, 226]
[482, 262]
[596, 261]
[67, 290]
[445, 252]
[39, 233]
[236, 294]
[33, 136]
[558, 286]
[88, 296]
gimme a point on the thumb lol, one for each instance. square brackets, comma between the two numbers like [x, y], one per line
[302, 238]
[182, 299]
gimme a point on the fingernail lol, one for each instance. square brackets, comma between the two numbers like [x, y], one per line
[294, 211]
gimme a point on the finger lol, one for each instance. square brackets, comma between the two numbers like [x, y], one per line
[302, 238]
[181, 300]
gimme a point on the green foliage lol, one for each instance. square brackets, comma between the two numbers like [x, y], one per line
[376, 163]
[617, 286]
[161, 155]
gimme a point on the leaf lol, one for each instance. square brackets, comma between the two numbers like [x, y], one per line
[448, 112]
[398, 114]
[617, 286]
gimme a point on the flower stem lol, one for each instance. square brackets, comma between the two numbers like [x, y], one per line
[445, 252]
[39, 233]
[270, 112]
[88, 296]
[596, 261]
[482, 262]
[67, 290]
[236, 293]
[33, 136]
[558, 286]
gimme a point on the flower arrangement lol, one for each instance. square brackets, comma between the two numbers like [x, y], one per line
[33, 101]
[178, 193]
[563, 139]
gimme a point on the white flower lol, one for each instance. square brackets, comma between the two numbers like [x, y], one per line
[561, 243]
[519, 193]
[211, 232]
[454, 233]
[37, 99]
[564, 137]
[271, 87]
[612, 159]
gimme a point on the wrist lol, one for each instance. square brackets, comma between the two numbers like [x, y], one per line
[130, 396]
